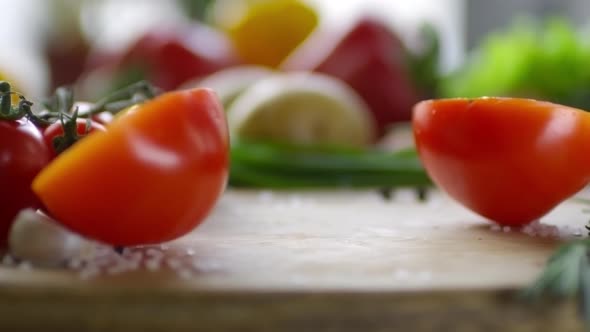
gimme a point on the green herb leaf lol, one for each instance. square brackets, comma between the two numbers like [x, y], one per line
[566, 275]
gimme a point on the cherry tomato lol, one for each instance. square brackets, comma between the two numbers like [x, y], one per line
[56, 130]
[152, 177]
[510, 160]
[22, 155]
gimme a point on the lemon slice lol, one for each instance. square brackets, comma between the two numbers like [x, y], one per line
[229, 83]
[302, 108]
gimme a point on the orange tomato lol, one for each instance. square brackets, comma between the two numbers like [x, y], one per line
[510, 160]
[153, 176]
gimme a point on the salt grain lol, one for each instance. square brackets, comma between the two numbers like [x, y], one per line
[495, 228]
[74, 264]
[190, 252]
[152, 252]
[294, 202]
[202, 266]
[424, 276]
[185, 273]
[265, 196]
[89, 272]
[102, 251]
[152, 265]
[506, 229]
[164, 247]
[102, 261]
[114, 270]
[137, 256]
[25, 266]
[132, 265]
[8, 260]
[401, 274]
[173, 263]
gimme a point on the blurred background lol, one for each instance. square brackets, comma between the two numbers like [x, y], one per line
[533, 48]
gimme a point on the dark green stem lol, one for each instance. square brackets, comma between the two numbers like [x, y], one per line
[5, 98]
[121, 99]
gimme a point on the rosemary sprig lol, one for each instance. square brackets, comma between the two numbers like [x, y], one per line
[566, 276]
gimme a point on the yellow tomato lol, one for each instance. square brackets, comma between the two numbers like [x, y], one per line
[265, 32]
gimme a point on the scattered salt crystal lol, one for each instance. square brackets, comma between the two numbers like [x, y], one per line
[185, 273]
[7, 260]
[25, 266]
[202, 266]
[173, 263]
[154, 252]
[495, 228]
[132, 265]
[102, 261]
[265, 196]
[136, 256]
[117, 269]
[190, 252]
[74, 264]
[164, 247]
[102, 251]
[294, 202]
[152, 265]
[89, 272]
[506, 229]
[401, 274]
[424, 276]
[125, 252]
[578, 232]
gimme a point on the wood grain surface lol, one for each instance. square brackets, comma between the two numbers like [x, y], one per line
[313, 261]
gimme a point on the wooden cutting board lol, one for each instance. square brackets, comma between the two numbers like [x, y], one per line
[312, 261]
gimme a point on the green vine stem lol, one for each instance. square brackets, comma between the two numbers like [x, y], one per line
[119, 100]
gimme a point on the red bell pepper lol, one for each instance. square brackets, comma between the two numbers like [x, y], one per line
[372, 60]
[168, 57]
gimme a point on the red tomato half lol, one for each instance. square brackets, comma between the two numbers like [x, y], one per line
[510, 160]
[22, 155]
[152, 177]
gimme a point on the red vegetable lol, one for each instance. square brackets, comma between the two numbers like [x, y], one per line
[166, 57]
[23, 154]
[509, 160]
[153, 176]
[372, 60]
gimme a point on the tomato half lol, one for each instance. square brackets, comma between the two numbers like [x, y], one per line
[510, 160]
[152, 177]
[22, 155]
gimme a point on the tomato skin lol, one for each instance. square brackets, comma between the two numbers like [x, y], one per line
[509, 160]
[152, 177]
[56, 129]
[23, 154]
